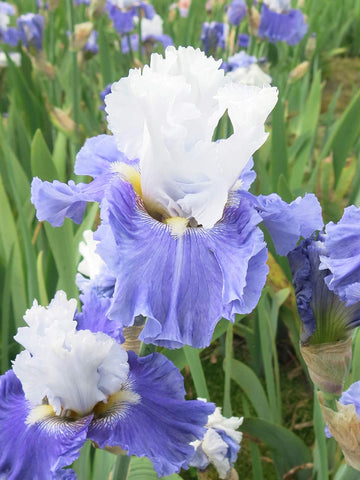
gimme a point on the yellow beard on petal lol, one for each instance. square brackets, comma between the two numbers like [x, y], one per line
[129, 174]
[118, 398]
[39, 413]
[178, 225]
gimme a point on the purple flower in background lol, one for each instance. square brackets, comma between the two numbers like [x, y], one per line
[243, 40]
[240, 60]
[9, 35]
[6, 9]
[179, 230]
[278, 22]
[91, 45]
[236, 11]
[103, 94]
[123, 13]
[129, 42]
[81, 2]
[151, 32]
[31, 27]
[70, 385]
[342, 257]
[213, 36]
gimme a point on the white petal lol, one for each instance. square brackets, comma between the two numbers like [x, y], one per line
[58, 316]
[73, 369]
[229, 425]
[166, 116]
[151, 27]
[92, 263]
[216, 450]
[251, 75]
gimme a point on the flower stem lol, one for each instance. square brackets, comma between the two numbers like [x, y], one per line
[121, 468]
[330, 400]
[75, 71]
[140, 36]
[227, 367]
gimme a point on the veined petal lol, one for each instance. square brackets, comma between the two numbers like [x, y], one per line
[171, 281]
[287, 222]
[182, 284]
[56, 201]
[161, 424]
[93, 316]
[236, 241]
[342, 257]
[37, 451]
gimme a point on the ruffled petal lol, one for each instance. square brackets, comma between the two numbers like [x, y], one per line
[176, 283]
[97, 155]
[161, 425]
[342, 258]
[182, 284]
[241, 252]
[287, 222]
[56, 201]
[93, 316]
[37, 451]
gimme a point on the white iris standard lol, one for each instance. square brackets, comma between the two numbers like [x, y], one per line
[68, 369]
[166, 116]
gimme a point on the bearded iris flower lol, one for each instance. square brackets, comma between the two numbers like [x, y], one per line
[213, 36]
[9, 35]
[179, 230]
[236, 11]
[69, 385]
[123, 13]
[327, 321]
[91, 47]
[220, 445]
[280, 23]
[151, 32]
[31, 29]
